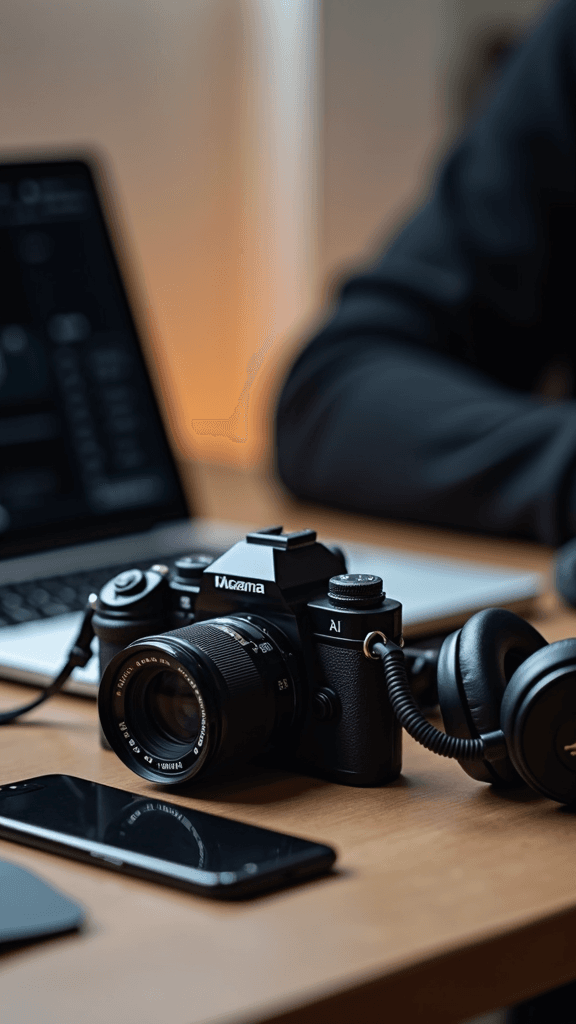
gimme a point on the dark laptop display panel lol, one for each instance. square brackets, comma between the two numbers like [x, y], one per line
[83, 452]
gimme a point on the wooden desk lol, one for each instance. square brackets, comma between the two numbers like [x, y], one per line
[449, 899]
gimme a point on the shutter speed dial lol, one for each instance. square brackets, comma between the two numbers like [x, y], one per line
[355, 590]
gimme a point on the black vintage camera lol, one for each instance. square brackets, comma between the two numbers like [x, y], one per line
[259, 653]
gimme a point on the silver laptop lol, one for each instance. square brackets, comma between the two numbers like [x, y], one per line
[88, 484]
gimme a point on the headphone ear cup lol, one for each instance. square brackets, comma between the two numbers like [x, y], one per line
[474, 666]
[538, 718]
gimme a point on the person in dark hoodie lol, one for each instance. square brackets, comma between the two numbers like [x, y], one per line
[423, 397]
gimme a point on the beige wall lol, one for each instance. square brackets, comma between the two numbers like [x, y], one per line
[379, 117]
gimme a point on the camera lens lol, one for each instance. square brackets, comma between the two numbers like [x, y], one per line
[175, 705]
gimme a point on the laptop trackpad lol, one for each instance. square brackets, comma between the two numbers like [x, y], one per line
[42, 647]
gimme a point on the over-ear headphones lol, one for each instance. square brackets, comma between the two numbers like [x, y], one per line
[508, 703]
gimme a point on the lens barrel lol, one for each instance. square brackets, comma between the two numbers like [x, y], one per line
[181, 703]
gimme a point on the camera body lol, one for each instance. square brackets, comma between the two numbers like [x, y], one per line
[258, 653]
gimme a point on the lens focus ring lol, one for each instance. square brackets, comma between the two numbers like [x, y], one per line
[234, 664]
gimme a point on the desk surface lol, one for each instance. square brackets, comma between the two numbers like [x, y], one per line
[448, 899]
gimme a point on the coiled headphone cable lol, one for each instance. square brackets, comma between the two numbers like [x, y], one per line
[489, 747]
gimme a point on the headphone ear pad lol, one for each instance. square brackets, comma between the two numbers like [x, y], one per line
[474, 667]
[538, 717]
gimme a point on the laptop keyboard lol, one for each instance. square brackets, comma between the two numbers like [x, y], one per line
[57, 595]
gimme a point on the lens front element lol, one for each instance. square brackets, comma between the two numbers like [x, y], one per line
[153, 712]
[173, 707]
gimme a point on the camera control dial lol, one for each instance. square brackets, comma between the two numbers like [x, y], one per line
[355, 590]
[191, 567]
[132, 581]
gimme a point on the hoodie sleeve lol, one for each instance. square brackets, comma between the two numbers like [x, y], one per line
[416, 399]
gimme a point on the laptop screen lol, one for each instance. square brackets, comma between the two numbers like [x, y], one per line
[83, 453]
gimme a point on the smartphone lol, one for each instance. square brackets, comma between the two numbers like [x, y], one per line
[154, 839]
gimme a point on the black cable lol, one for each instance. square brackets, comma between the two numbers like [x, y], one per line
[79, 656]
[409, 715]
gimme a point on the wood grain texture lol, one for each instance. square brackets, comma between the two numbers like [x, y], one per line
[448, 899]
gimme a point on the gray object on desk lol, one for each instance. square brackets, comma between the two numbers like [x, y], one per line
[31, 909]
[439, 594]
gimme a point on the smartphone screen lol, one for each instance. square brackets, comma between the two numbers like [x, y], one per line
[154, 839]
